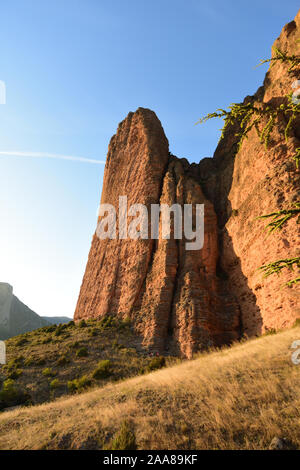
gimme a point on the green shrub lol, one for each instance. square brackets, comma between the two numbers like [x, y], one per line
[60, 329]
[55, 383]
[47, 340]
[48, 372]
[17, 361]
[93, 332]
[70, 324]
[62, 360]
[124, 439]
[235, 212]
[77, 385]
[21, 341]
[156, 363]
[126, 323]
[115, 345]
[11, 395]
[15, 374]
[108, 322]
[270, 331]
[40, 361]
[75, 345]
[29, 361]
[82, 352]
[50, 329]
[297, 322]
[103, 370]
[82, 324]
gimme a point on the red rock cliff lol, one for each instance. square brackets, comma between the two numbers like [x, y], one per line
[182, 301]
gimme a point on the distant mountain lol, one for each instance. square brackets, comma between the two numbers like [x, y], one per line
[15, 317]
[57, 320]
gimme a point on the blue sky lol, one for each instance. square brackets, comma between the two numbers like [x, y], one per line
[73, 70]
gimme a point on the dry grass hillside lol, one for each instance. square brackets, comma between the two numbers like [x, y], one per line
[235, 398]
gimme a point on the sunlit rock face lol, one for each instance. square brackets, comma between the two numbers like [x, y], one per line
[15, 317]
[182, 301]
[173, 296]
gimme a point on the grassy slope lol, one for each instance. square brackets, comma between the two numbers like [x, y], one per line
[56, 349]
[236, 398]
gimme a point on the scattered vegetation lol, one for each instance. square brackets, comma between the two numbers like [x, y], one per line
[48, 372]
[103, 370]
[77, 385]
[124, 439]
[54, 384]
[62, 360]
[82, 352]
[235, 398]
[12, 395]
[114, 354]
[156, 363]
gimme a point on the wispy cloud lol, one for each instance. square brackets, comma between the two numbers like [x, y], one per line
[51, 155]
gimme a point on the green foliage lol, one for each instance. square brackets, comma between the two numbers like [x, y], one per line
[156, 363]
[21, 341]
[15, 374]
[280, 56]
[277, 266]
[296, 157]
[46, 340]
[124, 439]
[270, 331]
[16, 362]
[77, 385]
[55, 383]
[82, 352]
[75, 345]
[62, 360]
[82, 324]
[126, 323]
[29, 361]
[249, 116]
[297, 322]
[234, 212]
[40, 361]
[49, 329]
[281, 217]
[48, 372]
[93, 332]
[103, 370]
[108, 322]
[60, 329]
[11, 395]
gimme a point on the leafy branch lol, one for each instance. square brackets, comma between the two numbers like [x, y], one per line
[281, 217]
[294, 60]
[296, 157]
[249, 116]
[277, 266]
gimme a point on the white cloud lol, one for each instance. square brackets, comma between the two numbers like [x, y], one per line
[51, 155]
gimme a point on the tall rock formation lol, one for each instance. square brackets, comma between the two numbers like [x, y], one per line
[179, 300]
